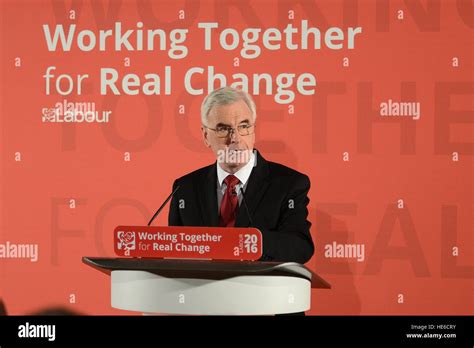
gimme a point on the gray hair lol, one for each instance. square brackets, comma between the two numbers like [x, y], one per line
[225, 96]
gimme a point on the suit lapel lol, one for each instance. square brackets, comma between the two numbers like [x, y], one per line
[257, 185]
[207, 188]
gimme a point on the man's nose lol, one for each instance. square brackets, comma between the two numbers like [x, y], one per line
[234, 136]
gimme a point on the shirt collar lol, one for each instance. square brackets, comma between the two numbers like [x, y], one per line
[242, 174]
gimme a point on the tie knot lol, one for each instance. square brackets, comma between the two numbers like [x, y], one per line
[231, 181]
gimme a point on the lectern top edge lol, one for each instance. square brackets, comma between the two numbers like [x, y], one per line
[213, 269]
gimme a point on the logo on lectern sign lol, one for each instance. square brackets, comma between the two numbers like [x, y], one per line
[126, 241]
[188, 242]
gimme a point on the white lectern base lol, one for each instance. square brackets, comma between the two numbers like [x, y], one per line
[147, 292]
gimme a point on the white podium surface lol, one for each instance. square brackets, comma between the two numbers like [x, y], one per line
[242, 295]
[204, 287]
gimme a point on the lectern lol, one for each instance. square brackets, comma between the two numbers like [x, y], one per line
[208, 287]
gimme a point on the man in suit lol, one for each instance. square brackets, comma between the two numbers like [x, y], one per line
[275, 195]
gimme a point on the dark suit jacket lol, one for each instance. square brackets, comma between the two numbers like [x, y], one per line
[277, 201]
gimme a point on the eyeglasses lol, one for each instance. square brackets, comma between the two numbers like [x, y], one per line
[225, 131]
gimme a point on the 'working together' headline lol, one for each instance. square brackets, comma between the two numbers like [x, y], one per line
[249, 42]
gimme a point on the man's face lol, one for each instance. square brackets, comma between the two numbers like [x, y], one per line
[233, 151]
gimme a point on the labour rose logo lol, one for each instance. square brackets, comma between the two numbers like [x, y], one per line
[49, 114]
[126, 241]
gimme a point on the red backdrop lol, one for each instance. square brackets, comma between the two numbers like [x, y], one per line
[400, 187]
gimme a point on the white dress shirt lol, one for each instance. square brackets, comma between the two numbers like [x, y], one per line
[242, 174]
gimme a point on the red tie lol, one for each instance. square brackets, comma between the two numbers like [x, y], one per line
[230, 203]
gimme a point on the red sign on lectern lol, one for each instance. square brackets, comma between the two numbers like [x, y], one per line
[185, 242]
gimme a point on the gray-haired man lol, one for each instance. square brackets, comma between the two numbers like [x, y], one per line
[275, 194]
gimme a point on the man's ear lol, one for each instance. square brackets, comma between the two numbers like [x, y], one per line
[205, 134]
